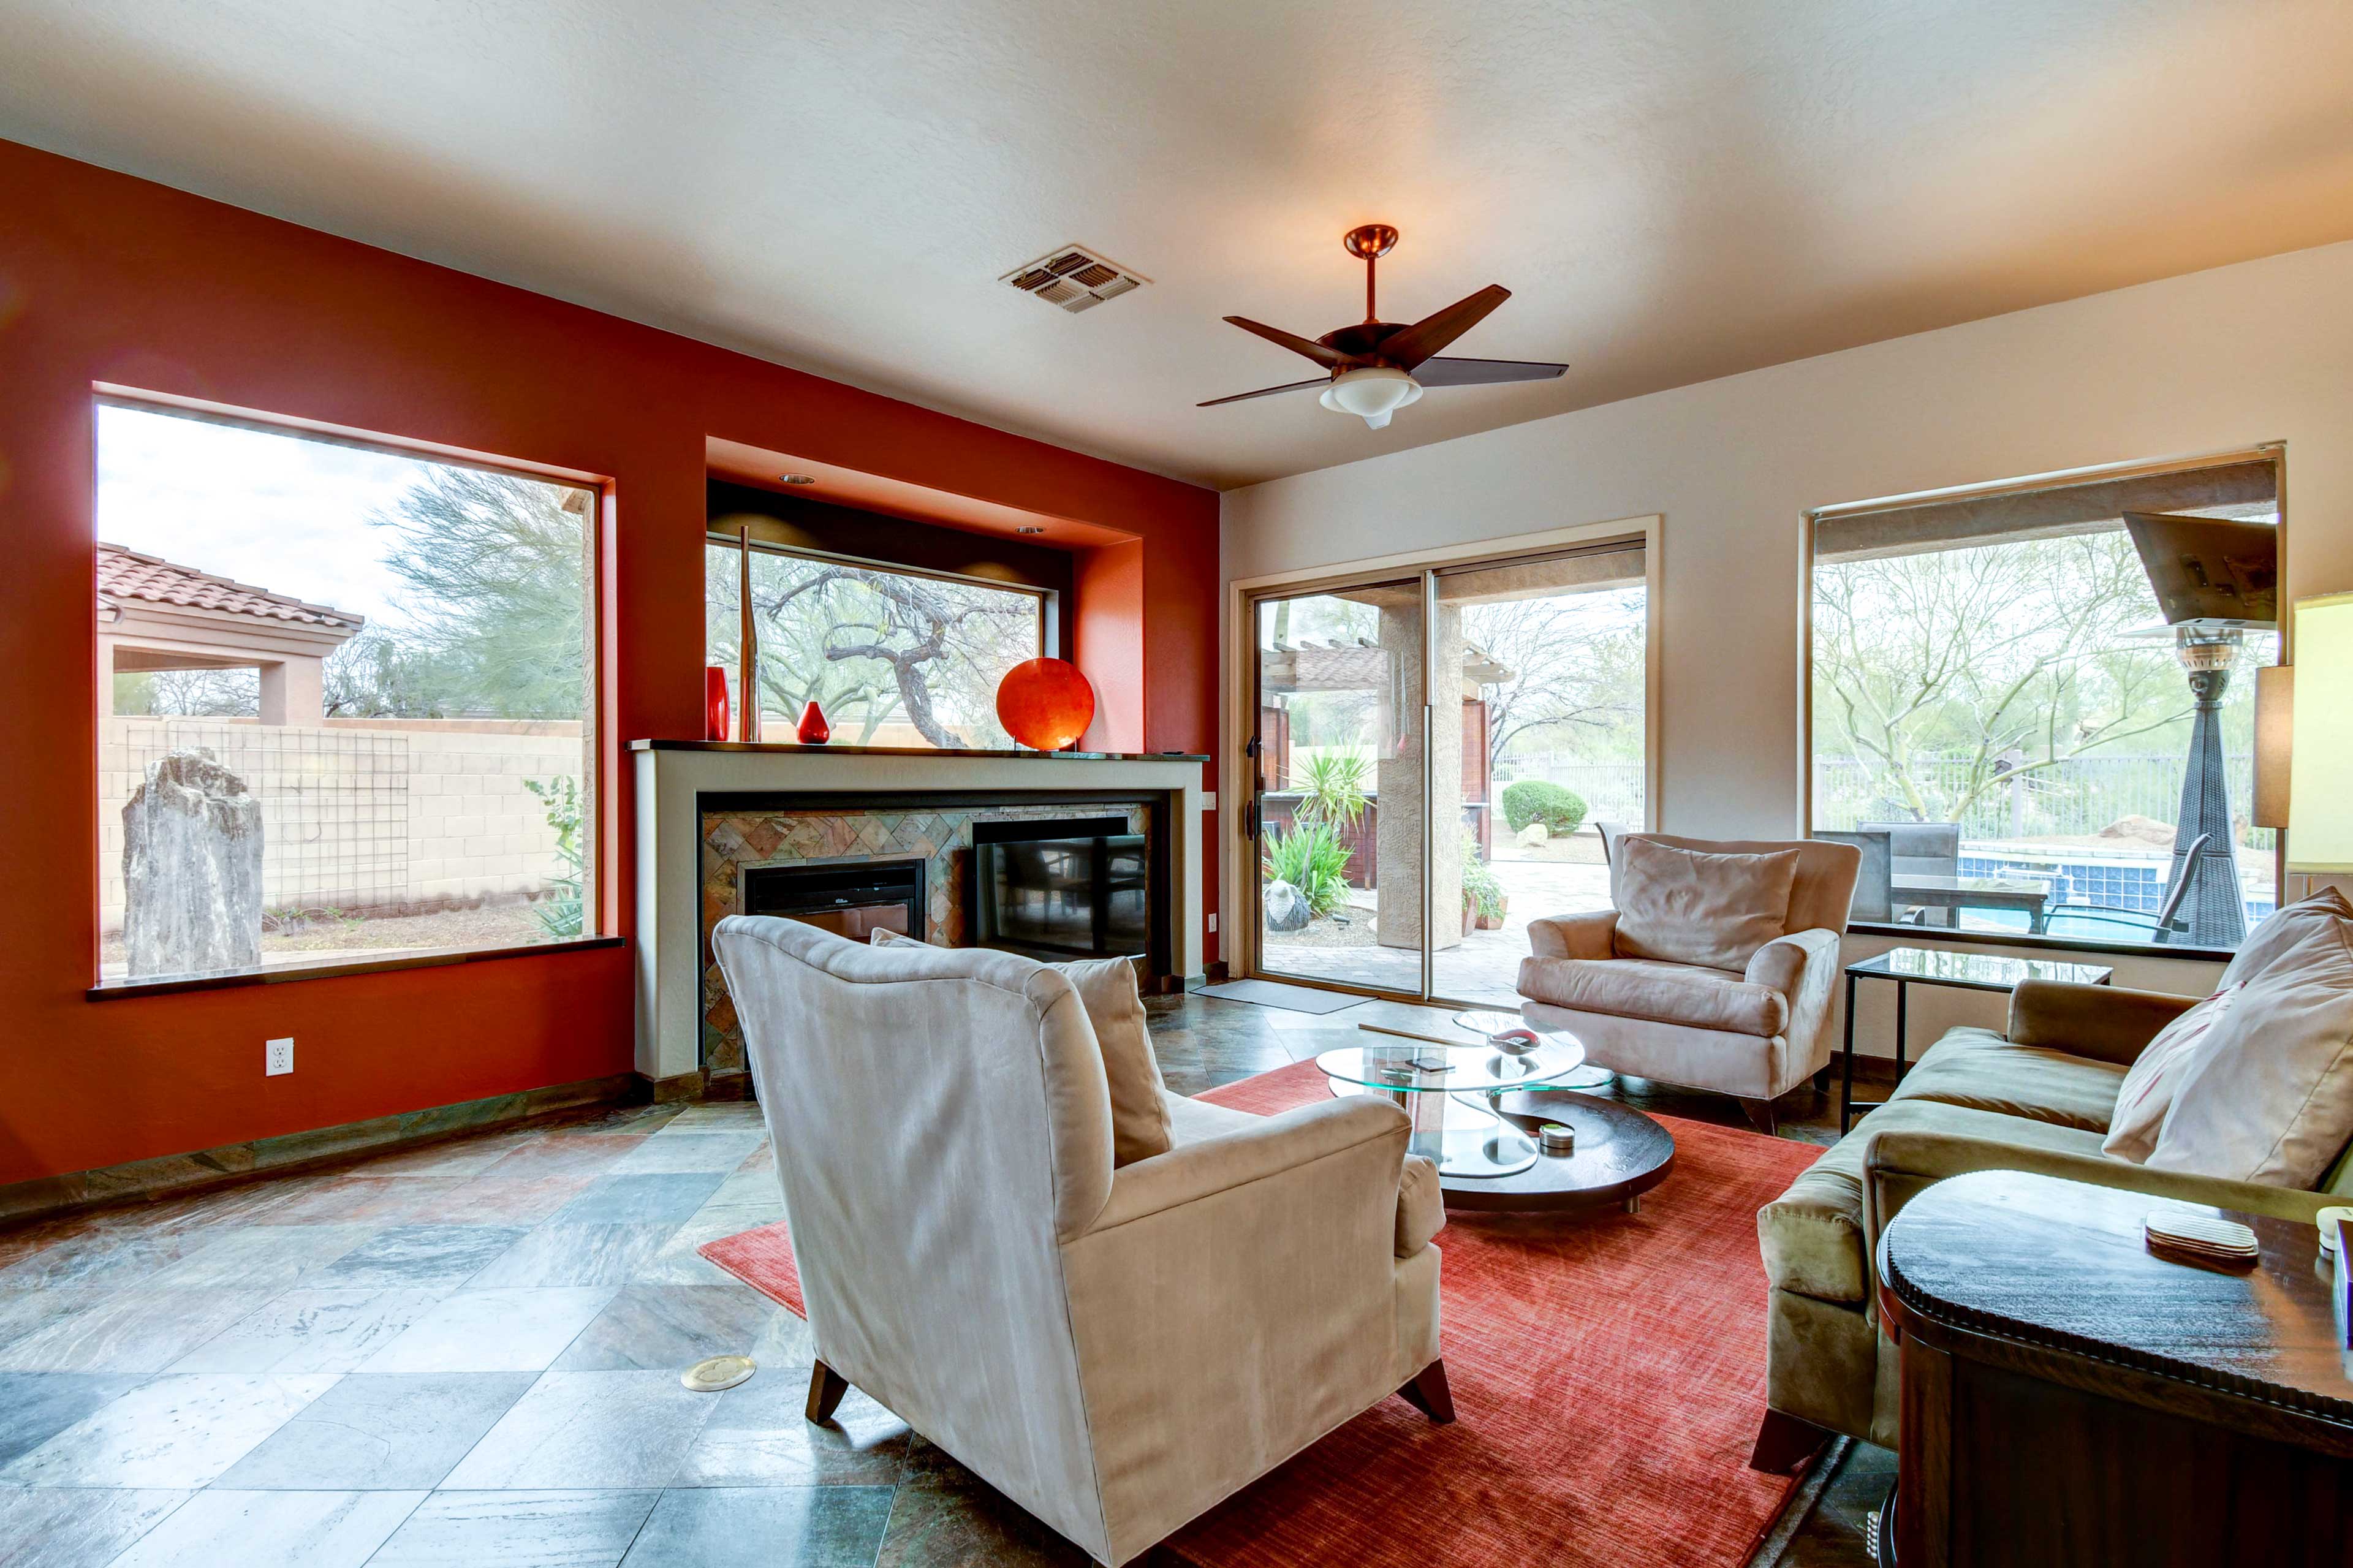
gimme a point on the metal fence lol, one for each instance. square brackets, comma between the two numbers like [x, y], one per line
[335, 805]
[2076, 798]
[1612, 792]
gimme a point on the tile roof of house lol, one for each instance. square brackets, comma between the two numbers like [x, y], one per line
[126, 574]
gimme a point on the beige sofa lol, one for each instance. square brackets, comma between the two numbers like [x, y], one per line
[2037, 1098]
[1115, 1345]
[1754, 1031]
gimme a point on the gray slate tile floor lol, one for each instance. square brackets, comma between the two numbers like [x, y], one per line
[468, 1353]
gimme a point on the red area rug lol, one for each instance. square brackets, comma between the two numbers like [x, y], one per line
[1608, 1374]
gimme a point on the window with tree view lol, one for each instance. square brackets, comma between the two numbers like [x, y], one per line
[2023, 718]
[891, 659]
[343, 698]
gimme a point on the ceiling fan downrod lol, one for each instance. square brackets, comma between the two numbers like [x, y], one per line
[1369, 242]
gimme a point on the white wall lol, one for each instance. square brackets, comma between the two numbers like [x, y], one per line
[2214, 361]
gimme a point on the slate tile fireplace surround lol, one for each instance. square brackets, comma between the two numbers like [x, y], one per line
[891, 831]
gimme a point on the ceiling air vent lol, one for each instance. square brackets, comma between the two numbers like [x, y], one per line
[1074, 278]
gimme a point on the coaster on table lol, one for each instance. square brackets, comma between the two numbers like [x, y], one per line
[2203, 1238]
[2329, 1219]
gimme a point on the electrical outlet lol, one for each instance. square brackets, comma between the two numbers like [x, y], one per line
[278, 1056]
[1213, 925]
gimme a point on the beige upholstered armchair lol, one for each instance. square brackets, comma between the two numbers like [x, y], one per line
[1114, 1304]
[1717, 969]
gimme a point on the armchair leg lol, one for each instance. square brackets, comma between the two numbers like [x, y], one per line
[1823, 1081]
[1762, 1115]
[1428, 1392]
[1784, 1442]
[826, 1388]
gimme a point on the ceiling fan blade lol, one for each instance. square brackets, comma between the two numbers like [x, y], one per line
[1483, 372]
[1267, 392]
[1333, 358]
[1426, 337]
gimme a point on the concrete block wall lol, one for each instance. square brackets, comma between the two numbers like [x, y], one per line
[378, 815]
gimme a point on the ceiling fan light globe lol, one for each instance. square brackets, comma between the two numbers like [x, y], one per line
[1372, 393]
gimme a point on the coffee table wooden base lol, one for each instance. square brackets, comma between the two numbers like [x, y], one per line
[1621, 1154]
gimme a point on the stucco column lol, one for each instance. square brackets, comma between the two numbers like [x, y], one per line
[294, 692]
[1397, 850]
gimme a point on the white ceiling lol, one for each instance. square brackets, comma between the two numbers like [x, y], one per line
[1674, 191]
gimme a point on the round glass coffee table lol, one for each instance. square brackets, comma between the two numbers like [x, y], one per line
[1498, 1026]
[1451, 1091]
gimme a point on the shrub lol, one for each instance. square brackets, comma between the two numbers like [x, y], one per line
[1533, 800]
[562, 914]
[1478, 883]
[1310, 858]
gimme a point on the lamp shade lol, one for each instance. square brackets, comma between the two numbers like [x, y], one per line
[2320, 769]
[2274, 715]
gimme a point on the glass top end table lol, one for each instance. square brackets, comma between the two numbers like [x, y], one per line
[1448, 1091]
[1910, 966]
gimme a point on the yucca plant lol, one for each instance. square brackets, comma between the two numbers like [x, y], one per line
[1310, 857]
[1332, 789]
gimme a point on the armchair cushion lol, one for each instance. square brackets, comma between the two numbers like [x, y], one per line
[1139, 1116]
[1685, 905]
[1664, 992]
[1106, 988]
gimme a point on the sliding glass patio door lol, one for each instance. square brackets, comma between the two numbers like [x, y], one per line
[1431, 756]
[1339, 774]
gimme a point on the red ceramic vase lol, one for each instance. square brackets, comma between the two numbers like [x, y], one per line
[1045, 704]
[814, 730]
[714, 703]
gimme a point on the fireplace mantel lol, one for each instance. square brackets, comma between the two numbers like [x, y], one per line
[673, 777]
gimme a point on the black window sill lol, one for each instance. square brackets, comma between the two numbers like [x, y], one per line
[1940, 936]
[281, 976]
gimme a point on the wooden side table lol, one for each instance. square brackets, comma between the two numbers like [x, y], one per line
[2069, 1397]
[1962, 970]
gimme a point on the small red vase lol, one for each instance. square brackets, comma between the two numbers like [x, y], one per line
[814, 730]
[714, 703]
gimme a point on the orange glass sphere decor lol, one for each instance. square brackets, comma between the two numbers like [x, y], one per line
[1045, 704]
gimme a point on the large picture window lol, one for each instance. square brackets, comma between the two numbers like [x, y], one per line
[890, 657]
[344, 696]
[2022, 716]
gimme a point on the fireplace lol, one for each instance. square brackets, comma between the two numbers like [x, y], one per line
[854, 898]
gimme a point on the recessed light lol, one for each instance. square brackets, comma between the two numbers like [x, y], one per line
[1030, 528]
[798, 478]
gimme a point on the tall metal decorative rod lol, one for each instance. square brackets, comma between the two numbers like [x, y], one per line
[747, 644]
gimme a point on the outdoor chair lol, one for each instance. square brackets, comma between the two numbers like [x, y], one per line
[1921, 849]
[2160, 927]
[1874, 881]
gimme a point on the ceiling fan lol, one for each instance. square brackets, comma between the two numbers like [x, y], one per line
[1378, 367]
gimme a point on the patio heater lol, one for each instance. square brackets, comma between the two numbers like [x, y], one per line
[2215, 579]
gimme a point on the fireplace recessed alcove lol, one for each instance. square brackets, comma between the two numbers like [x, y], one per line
[1095, 852]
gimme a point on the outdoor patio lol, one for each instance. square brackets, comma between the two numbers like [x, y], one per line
[1485, 967]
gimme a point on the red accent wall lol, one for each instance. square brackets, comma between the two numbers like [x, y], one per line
[1107, 586]
[107, 279]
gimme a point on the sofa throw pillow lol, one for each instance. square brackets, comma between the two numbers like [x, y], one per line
[2267, 1096]
[2287, 925]
[2156, 1076]
[1684, 906]
[1106, 988]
